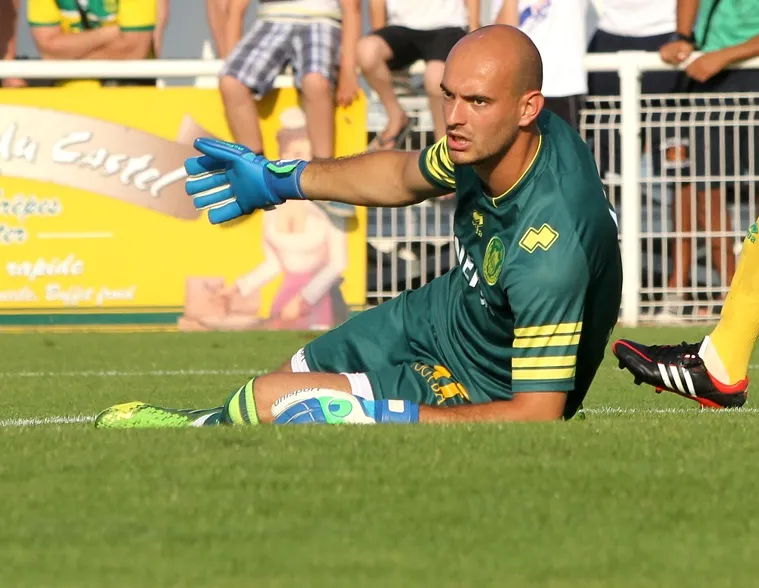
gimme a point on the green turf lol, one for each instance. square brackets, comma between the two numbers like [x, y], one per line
[620, 499]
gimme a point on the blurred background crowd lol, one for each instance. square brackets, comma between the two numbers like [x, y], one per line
[332, 48]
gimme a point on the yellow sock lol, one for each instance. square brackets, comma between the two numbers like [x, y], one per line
[735, 334]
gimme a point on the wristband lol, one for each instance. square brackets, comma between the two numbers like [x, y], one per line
[396, 411]
[680, 37]
[283, 179]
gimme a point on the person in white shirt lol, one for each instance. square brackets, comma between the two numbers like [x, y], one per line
[558, 29]
[403, 32]
[634, 25]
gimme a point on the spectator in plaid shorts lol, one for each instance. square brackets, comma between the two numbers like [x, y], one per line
[318, 38]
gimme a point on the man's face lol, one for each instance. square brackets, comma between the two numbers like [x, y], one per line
[481, 111]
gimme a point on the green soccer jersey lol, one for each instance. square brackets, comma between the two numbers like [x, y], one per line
[536, 293]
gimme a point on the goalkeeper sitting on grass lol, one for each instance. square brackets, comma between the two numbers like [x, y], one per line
[515, 332]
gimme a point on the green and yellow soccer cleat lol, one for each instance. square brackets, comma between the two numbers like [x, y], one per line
[140, 415]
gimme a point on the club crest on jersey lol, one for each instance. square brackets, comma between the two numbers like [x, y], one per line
[478, 221]
[492, 263]
[541, 238]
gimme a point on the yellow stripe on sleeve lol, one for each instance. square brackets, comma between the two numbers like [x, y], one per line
[543, 362]
[444, 157]
[433, 166]
[554, 341]
[439, 164]
[558, 329]
[544, 374]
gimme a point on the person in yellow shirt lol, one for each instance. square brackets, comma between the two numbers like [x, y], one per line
[93, 29]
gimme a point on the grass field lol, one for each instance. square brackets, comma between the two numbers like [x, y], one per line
[647, 491]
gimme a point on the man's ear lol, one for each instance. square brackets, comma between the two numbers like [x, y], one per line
[531, 105]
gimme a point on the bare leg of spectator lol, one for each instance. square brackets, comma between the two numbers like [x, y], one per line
[681, 213]
[242, 113]
[8, 33]
[721, 245]
[318, 103]
[433, 75]
[216, 12]
[319, 108]
[162, 19]
[372, 57]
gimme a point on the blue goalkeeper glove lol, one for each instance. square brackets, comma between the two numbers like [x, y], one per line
[231, 181]
[331, 407]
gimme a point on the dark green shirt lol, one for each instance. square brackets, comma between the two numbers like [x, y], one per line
[536, 294]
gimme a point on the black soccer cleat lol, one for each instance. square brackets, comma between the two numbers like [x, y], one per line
[678, 369]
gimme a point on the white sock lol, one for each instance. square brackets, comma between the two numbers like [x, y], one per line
[360, 385]
[710, 357]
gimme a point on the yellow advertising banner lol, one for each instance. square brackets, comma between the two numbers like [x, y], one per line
[96, 228]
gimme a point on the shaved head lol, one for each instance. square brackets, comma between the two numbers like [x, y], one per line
[507, 50]
[491, 94]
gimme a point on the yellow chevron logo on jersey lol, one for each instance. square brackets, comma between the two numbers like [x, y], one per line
[478, 221]
[442, 383]
[541, 238]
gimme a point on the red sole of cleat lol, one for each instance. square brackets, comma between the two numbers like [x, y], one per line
[702, 401]
[708, 403]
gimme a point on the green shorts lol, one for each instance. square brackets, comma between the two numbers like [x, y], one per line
[398, 348]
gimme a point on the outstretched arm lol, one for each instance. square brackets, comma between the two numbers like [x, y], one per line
[390, 178]
[231, 181]
[525, 406]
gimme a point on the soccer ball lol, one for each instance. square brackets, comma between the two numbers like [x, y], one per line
[320, 405]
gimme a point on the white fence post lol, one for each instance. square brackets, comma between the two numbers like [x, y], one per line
[629, 77]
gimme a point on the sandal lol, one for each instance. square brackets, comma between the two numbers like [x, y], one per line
[380, 143]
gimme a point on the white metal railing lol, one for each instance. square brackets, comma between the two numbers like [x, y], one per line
[432, 222]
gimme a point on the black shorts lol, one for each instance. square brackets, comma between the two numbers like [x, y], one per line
[607, 84]
[410, 45]
[721, 134]
[567, 107]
